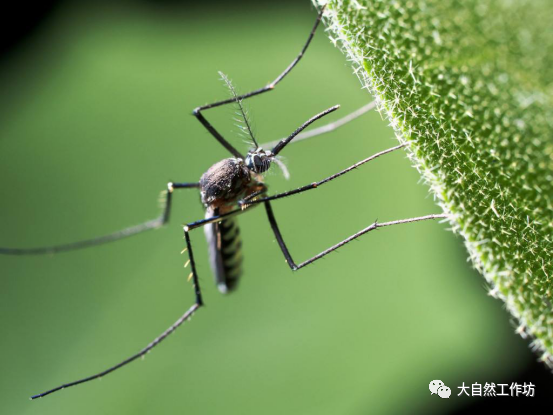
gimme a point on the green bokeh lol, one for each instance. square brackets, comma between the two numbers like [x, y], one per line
[95, 119]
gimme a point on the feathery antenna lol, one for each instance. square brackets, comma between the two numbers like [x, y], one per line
[241, 109]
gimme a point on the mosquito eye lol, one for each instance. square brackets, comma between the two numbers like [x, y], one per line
[262, 164]
[258, 163]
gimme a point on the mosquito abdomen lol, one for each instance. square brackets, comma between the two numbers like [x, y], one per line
[225, 252]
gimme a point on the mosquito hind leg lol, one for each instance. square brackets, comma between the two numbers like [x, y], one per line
[124, 233]
[269, 87]
[186, 316]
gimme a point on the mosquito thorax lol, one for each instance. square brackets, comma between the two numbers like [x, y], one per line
[227, 181]
[259, 160]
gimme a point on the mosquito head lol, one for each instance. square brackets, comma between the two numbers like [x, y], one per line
[259, 160]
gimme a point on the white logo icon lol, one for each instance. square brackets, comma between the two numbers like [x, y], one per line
[444, 392]
[434, 385]
[438, 387]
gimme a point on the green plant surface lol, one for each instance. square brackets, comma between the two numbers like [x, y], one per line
[468, 84]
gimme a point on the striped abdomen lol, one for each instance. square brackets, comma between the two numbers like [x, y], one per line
[225, 252]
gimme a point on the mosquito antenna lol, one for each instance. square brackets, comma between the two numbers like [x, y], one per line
[282, 143]
[241, 109]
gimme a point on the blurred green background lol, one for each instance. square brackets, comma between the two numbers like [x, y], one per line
[95, 118]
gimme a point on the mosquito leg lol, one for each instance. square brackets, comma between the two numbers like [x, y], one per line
[269, 87]
[194, 274]
[327, 128]
[244, 202]
[202, 222]
[372, 227]
[169, 196]
[314, 185]
[154, 343]
[197, 304]
[124, 233]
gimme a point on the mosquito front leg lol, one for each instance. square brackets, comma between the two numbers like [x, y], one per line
[327, 128]
[124, 233]
[314, 185]
[269, 87]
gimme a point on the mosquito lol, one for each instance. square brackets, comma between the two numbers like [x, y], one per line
[229, 188]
